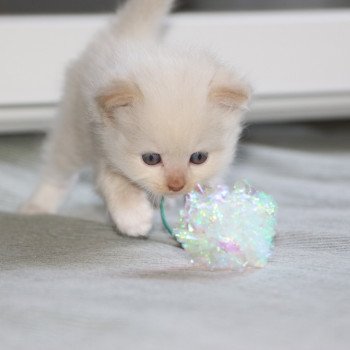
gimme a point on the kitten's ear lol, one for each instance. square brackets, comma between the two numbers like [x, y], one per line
[120, 93]
[227, 91]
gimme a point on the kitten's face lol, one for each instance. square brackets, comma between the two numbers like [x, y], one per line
[166, 141]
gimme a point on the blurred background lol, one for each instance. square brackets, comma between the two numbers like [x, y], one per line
[93, 6]
[295, 53]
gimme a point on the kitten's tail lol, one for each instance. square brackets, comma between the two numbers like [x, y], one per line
[141, 18]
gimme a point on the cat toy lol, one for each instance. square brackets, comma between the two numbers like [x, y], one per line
[223, 228]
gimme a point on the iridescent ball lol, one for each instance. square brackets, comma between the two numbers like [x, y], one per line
[227, 229]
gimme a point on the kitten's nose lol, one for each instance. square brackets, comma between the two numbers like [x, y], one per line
[176, 188]
[176, 183]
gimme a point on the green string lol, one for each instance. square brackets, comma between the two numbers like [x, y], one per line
[164, 220]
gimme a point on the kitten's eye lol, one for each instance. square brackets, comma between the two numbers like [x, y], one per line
[151, 158]
[199, 157]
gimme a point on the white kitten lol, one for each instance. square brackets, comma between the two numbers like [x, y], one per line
[150, 119]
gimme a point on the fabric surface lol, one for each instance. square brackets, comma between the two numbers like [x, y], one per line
[70, 282]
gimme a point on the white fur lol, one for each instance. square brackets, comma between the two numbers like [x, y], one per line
[173, 116]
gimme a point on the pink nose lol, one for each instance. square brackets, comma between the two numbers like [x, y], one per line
[176, 183]
[176, 188]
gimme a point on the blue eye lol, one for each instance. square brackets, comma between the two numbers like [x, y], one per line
[151, 158]
[199, 157]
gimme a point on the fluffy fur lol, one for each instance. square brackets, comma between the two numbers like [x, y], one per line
[129, 94]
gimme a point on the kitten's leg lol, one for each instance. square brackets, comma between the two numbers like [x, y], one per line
[64, 158]
[128, 205]
[47, 197]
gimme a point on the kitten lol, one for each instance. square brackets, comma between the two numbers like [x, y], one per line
[151, 120]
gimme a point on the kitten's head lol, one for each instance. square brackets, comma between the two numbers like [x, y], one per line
[171, 128]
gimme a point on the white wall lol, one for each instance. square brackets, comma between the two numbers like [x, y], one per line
[298, 62]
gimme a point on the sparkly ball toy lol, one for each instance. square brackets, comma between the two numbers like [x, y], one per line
[223, 228]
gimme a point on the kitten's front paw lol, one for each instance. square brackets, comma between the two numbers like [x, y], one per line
[135, 221]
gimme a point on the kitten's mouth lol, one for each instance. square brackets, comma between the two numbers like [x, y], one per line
[165, 191]
[175, 194]
[181, 192]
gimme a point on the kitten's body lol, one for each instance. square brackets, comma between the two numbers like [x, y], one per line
[129, 95]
